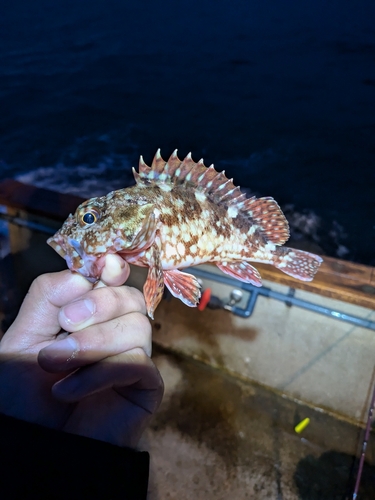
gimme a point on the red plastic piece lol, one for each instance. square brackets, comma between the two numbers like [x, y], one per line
[205, 299]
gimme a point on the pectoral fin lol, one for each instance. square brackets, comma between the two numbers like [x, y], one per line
[147, 234]
[183, 286]
[154, 286]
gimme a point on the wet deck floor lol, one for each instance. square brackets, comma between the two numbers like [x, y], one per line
[216, 437]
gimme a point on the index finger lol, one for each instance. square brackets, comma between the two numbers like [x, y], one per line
[37, 320]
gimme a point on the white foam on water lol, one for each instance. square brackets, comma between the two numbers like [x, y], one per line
[84, 180]
[307, 226]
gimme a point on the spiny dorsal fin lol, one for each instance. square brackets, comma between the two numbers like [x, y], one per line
[158, 164]
[264, 212]
[188, 172]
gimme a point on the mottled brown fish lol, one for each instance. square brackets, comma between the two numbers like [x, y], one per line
[180, 214]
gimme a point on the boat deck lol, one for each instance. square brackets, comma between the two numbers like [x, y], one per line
[216, 437]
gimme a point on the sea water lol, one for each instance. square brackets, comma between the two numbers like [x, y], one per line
[279, 94]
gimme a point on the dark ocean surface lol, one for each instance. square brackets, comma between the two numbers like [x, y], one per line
[279, 94]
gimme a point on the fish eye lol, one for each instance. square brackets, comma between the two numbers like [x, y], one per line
[90, 217]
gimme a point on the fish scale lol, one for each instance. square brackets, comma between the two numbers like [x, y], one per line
[179, 214]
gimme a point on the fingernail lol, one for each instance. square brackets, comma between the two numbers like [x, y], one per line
[78, 312]
[61, 351]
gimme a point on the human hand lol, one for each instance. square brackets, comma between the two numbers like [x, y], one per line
[99, 381]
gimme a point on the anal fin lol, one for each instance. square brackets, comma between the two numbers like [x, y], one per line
[242, 271]
[183, 286]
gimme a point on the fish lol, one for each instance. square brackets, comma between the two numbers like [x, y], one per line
[180, 214]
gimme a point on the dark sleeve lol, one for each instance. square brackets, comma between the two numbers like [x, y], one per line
[40, 463]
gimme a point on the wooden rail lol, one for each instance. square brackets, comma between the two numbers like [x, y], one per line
[338, 279]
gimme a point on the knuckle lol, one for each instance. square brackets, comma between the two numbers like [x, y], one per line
[139, 353]
[142, 330]
[114, 295]
[41, 284]
[137, 297]
[123, 298]
[142, 322]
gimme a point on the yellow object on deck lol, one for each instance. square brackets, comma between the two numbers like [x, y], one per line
[302, 425]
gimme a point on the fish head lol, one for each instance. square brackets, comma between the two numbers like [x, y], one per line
[103, 225]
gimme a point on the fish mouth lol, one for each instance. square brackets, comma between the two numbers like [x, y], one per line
[70, 249]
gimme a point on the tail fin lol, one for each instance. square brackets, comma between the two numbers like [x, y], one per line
[296, 263]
